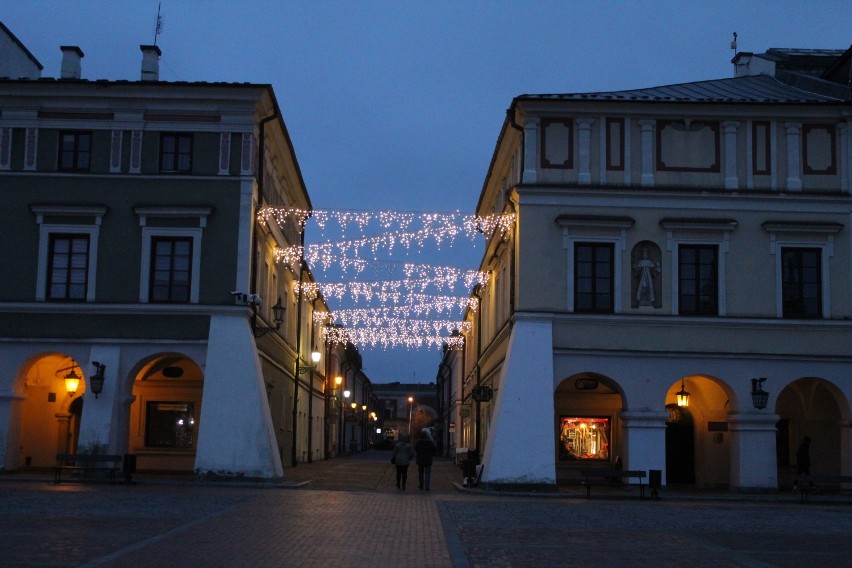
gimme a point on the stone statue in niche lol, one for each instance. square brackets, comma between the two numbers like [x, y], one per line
[646, 275]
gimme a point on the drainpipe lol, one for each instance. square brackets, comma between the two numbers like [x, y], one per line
[255, 246]
[476, 291]
[294, 454]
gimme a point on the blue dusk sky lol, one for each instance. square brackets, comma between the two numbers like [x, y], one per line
[397, 105]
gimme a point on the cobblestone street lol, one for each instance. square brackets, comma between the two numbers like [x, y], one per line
[348, 512]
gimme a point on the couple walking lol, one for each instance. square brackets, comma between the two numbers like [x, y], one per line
[403, 453]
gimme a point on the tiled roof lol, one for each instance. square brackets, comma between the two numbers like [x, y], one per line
[750, 89]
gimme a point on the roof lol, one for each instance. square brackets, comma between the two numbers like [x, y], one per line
[749, 89]
[23, 48]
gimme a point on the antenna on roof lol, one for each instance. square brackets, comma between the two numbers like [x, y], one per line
[734, 43]
[158, 29]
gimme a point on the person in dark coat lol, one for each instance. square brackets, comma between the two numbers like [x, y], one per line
[803, 460]
[403, 453]
[425, 450]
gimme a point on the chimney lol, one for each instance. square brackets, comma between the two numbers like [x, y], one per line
[150, 62]
[71, 56]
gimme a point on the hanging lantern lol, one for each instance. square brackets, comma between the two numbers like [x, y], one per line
[682, 396]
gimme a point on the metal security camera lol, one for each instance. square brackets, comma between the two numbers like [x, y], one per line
[254, 299]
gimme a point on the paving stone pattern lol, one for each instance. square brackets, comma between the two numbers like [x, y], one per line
[348, 512]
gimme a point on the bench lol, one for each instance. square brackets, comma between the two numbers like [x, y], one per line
[609, 476]
[807, 483]
[85, 463]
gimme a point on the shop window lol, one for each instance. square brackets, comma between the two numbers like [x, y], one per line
[584, 438]
[169, 424]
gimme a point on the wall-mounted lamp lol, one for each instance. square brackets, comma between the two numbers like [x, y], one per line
[278, 319]
[72, 382]
[96, 381]
[759, 397]
[682, 396]
[315, 358]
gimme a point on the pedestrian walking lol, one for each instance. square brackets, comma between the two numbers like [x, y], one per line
[403, 453]
[803, 459]
[425, 450]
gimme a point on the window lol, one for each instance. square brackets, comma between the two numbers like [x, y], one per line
[801, 282]
[176, 153]
[75, 151]
[593, 277]
[698, 280]
[584, 438]
[68, 267]
[171, 269]
[169, 424]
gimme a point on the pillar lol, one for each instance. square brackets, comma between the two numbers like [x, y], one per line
[645, 440]
[754, 463]
[521, 445]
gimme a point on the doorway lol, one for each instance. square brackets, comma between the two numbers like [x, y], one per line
[680, 446]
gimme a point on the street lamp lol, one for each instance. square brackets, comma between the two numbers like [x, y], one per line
[410, 406]
[315, 358]
[682, 396]
[364, 433]
[277, 316]
[346, 394]
[72, 382]
[759, 397]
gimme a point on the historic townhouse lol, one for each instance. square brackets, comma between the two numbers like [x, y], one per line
[143, 309]
[678, 253]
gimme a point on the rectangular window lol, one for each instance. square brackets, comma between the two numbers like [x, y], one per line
[801, 282]
[171, 269]
[593, 277]
[75, 151]
[698, 269]
[68, 267]
[582, 438]
[169, 424]
[176, 153]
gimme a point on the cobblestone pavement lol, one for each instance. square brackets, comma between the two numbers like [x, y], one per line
[348, 512]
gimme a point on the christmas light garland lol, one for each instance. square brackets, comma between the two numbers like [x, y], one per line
[390, 324]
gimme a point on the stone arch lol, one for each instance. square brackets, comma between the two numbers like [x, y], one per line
[587, 425]
[706, 420]
[45, 417]
[813, 407]
[164, 412]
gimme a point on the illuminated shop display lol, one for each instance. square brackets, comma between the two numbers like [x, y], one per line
[584, 438]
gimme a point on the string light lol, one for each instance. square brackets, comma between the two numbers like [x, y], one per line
[404, 301]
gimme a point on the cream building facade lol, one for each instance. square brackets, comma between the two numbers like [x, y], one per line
[686, 238]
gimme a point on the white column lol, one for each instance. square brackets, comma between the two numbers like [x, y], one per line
[135, 151]
[794, 142]
[753, 458]
[524, 404]
[224, 153]
[645, 441]
[235, 435]
[115, 151]
[845, 157]
[647, 130]
[10, 430]
[30, 148]
[98, 432]
[530, 146]
[5, 148]
[246, 154]
[731, 179]
[584, 134]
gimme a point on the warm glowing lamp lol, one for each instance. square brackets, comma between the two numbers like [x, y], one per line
[72, 382]
[337, 381]
[354, 405]
[315, 357]
[682, 396]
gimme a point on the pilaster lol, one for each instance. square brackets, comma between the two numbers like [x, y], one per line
[753, 457]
